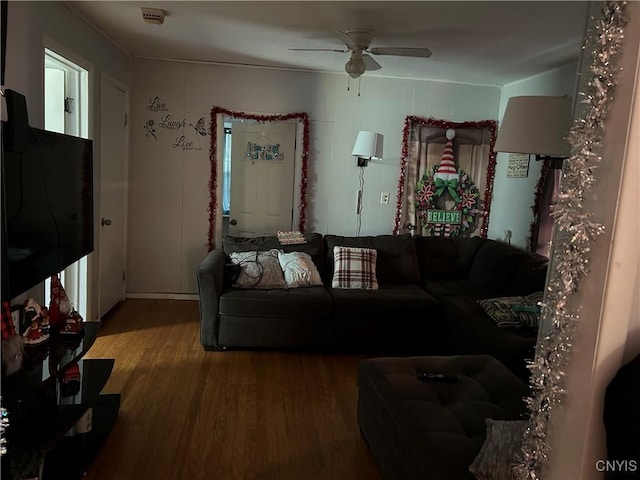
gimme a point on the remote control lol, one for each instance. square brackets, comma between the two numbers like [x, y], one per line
[437, 377]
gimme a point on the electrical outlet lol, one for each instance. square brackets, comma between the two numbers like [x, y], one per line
[384, 198]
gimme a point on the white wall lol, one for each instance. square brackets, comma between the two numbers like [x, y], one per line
[513, 197]
[169, 187]
[29, 24]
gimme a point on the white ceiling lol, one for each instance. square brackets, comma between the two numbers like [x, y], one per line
[479, 42]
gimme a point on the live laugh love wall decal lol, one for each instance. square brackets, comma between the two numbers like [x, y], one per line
[164, 121]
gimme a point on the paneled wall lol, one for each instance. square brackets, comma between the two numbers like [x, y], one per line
[168, 195]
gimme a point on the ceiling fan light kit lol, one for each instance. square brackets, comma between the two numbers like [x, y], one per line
[355, 66]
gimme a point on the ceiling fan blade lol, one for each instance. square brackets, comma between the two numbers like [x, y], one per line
[318, 50]
[370, 63]
[401, 51]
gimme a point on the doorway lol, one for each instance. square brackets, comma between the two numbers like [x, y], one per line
[258, 177]
[113, 194]
[66, 101]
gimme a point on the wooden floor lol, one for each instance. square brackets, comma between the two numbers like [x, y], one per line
[190, 414]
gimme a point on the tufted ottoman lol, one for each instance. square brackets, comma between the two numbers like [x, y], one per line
[425, 429]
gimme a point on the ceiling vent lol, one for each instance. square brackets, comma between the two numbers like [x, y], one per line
[153, 15]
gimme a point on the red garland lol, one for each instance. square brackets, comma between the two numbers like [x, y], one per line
[411, 120]
[213, 181]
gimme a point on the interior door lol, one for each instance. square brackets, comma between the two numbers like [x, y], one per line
[113, 162]
[262, 176]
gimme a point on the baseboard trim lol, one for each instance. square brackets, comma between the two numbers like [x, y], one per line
[163, 296]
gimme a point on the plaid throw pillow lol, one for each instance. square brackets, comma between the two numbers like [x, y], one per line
[354, 268]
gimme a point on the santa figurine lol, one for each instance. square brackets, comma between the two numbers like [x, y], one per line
[59, 305]
[34, 315]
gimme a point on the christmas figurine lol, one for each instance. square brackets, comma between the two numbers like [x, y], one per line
[59, 305]
[12, 343]
[34, 316]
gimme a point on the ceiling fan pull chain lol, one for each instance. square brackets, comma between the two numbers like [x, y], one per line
[359, 82]
[349, 83]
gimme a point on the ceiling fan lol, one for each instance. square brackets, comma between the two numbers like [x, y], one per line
[357, 42]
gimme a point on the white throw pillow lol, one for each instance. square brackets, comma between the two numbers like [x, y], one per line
[299, 269]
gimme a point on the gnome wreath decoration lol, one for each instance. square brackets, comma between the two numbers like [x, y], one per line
[446, 199]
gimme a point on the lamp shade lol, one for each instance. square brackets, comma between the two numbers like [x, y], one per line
[536, 125]
[368, 145]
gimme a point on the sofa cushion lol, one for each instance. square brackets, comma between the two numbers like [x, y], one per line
[469, 330]
[314, 246]
[258, 269]
[495, 265]
[530, 276]
[395, 315]
[292, 302]
[454, 287]
[354, 268]
[446, 258]
[396, 262]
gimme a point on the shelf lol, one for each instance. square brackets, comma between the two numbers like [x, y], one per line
[45, 362]
[41, 428]
[73, 454]
[44, 412]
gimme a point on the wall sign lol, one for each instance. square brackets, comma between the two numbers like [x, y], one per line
[518, 166]
[155, 105]
[171, 124]
[263, 152]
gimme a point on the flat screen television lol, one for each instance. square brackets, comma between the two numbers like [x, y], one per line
[47, 207]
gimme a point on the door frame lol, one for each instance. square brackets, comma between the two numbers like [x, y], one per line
[106, 78]
[301, 166]
[86, 131]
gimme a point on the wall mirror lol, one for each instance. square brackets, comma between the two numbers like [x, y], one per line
[446, 177]
[259, 169]
[571, 248]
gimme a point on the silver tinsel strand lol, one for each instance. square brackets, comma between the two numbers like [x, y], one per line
[575, 232]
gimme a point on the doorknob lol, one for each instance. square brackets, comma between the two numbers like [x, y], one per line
[233, 222]
[106, 222]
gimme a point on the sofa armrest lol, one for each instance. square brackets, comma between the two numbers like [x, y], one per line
[210, 276]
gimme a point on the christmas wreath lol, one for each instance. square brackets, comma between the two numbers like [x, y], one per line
[446, 206]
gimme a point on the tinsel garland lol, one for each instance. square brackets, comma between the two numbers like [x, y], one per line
[411, 120]
[575, 232]
[213, 180]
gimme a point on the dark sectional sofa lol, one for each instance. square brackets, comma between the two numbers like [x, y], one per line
[426, 303]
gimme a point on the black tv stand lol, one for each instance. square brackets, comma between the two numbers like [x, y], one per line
[43, 433]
